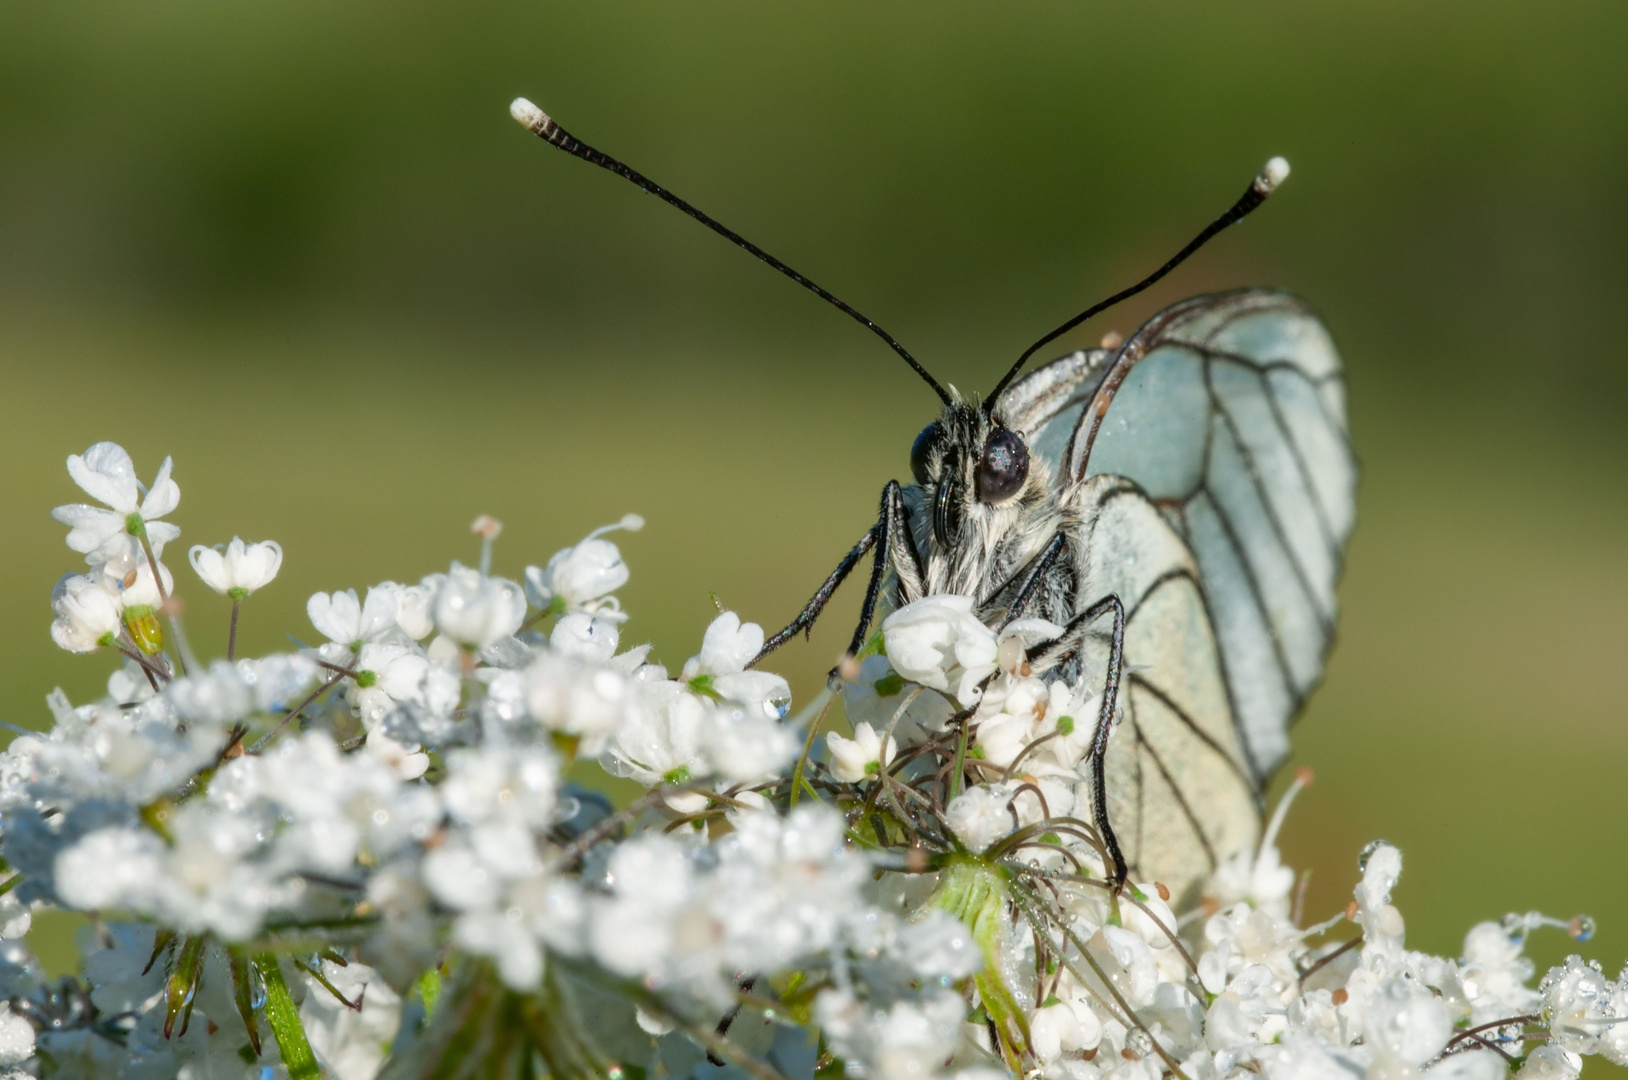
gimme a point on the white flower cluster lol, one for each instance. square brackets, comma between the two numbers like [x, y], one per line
[375, 854]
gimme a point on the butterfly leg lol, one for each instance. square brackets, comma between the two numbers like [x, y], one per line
[1035, 579]
[1059, 646]
[895, 549]
[804, 622]
[894, 546]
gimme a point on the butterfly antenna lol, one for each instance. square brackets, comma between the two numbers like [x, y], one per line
[1263, 185]
[542, 125]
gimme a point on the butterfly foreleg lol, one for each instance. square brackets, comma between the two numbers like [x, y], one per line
[804, 622]
[895, 550]
[1068, 641]
[890, 536]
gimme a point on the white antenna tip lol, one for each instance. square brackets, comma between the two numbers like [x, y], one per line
[632, 522]
[1274, 173]
[527, 114]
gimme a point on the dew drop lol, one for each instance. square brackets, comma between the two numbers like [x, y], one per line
[777, 706]
[1139, 1042]
[1368, 853]
[1580, 927]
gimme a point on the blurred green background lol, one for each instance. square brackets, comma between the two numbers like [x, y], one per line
[301, 246]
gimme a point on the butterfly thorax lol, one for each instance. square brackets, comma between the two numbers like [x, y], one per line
[982, 512]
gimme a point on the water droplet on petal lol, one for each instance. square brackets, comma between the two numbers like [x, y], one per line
[1368, 853]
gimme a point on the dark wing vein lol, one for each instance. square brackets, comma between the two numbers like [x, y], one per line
[1181, 798]
[1272, 518]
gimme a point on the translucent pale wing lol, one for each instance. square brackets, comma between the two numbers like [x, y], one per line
[1229, 413]
[1045, 405]
[1181, 795]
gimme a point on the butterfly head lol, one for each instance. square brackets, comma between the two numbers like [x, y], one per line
[971, 467]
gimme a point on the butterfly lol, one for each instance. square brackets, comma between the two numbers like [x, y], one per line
[1179, 502]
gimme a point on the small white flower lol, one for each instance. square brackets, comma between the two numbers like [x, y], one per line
[939, 946]
[745, 746]
[414, 604]
[130, 578]
[589, 637]
[581, 578]
[876, 695]
[16, 1039]
[407, 762]
[497, 784]
[866, 754]
[219, 695]
[719, 670]
[939, 643]
[107, 474]
[726, 648]
[1157, 924]
[350, 623]
[240, 568]
[1406, 1022]
[476, 610]
[387, 677]
[1381, 923]
[1550, 1063]
[1066, 1026]
[661, 741]
[107, 867]
[979, 816]
[1579, 1005]
[1137, 974]
[87, 616]
[351, 1043]
[570, 696]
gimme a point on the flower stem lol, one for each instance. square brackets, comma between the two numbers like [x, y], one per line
[797, 781]
[140, 531]
[284, 1017]
[231, 635]
[260, 743]
[141, 659]
[589, 837]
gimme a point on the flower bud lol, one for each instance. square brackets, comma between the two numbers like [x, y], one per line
[87, 615]
[475, 610]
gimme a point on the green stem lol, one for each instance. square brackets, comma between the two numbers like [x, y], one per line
[977, 894]
[139, 530]
[797, 781]
[284, 1018]
[959, 771]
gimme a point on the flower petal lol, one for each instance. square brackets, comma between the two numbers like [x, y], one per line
[163, 496]
[107, 473]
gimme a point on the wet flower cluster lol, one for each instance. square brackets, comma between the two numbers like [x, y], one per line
[375, 856]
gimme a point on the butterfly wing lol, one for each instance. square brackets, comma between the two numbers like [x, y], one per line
[1228, 412]
[1046, 404]
[1181, 793]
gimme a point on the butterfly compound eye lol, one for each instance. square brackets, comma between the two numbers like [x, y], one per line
[919, 449]
[1004, 467]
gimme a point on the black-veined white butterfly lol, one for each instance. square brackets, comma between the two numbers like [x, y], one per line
[1179, 502]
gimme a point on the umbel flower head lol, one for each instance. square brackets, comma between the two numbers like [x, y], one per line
[375, 856]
